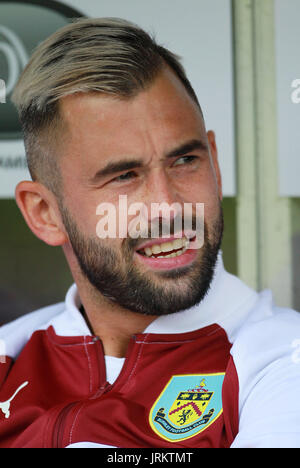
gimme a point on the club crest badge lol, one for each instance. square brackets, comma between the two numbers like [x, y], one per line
[187, 406]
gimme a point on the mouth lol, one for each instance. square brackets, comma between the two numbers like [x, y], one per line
[166, 254]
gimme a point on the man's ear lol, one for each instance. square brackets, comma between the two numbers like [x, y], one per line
[214, 153]
[40, 210]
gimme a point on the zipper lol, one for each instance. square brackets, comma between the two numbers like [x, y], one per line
[60, 423]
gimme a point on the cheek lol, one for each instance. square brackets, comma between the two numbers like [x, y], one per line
[202, 190]
[102, 219]
[206, 195]
[112, 230]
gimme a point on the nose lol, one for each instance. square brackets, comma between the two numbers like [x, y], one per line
[163, 203]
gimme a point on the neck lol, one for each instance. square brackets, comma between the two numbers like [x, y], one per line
[113, 324]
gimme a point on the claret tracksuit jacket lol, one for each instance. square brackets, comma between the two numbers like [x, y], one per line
[225, 373]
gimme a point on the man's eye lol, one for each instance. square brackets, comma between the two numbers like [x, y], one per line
[124, 177]
[184, 160]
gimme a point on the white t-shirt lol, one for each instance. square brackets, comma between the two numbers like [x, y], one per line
[113, 368]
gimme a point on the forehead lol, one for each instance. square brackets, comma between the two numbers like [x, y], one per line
[102, 126]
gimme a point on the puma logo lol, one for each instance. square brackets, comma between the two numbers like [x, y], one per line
[5, 405]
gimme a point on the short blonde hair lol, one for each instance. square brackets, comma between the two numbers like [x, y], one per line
[106, 55]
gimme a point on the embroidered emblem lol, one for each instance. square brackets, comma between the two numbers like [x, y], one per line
[5, 405]
[187, 406]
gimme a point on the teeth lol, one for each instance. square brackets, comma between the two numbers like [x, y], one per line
[148, 251]
[156, 249]
[174, 254]
[176, 244]
[167, 247]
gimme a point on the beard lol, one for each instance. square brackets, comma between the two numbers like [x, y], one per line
[115, 276]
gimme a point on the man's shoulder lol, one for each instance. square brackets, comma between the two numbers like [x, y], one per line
[265, 320]
[269, 337]
[251, 317]
[36, 318]
[266, 353]
[15, 334]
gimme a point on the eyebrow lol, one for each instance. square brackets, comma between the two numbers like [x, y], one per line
[191, 145]
[125, 165]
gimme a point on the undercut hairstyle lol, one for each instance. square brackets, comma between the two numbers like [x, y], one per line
[106, 55]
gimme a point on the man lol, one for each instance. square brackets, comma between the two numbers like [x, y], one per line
[155, 345]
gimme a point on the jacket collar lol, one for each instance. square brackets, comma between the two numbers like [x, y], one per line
[227, 303]
[225, 297]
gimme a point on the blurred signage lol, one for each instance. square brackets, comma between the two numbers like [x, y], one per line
[199, 31]
[23, 25]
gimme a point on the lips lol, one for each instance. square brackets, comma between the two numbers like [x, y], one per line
[167, 253]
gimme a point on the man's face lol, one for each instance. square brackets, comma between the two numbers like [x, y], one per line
[152, 148]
